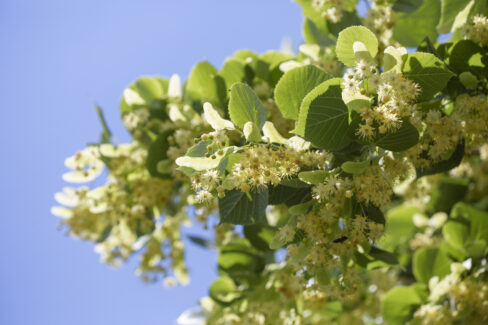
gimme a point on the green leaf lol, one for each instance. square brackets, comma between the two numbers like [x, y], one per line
[346, 39]
[449, 10]
[301, 208]
[274, 58]
[323, 118]
[156, 153]
[233, 71]
[478, 220]
[294, 86]
[355, 167]
[240, 260]
[405, 137]
[468, 79]
[430, 261]
[237, 208]
[224, 291]
[245, 106]
[313, 35]
[204, 84]
[466, 55]
[313, 177]
[106, 134]
[449, 191]
[146, 92]
[150, 88]
[428, 71]
[400, 303]
[315, 16]
[288, 195]
[455, 233]
[202, 242]
[411, 28]
[260, 236]
[407, 5]
[349, 18]
[377, 257]
[399, 226]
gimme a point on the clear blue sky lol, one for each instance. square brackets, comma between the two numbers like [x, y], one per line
[56, 59]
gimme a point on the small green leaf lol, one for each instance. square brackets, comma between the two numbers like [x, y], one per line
[149, 89]
[407, 5]
[224, 291]
[313, 35]
[449, 10]
[466, 55]
[204, 84]
[294, 86]
[399, 226]
[478, 220]
[376, 258]
[346, 40]
[324, 118]
[468, 79]
[300, 209]
[405, 137]
[157, 153]
[245, 106]
[313, 177]
[288, 195]
[260, 236]
[237, 208]
[430, 261]
[411, 28]
[449, 191]
[355, 167]
[240, 260]
[106, 134]
[233, 71]
[428, 71]
[400, 303]
[202, 242]
[455, 233]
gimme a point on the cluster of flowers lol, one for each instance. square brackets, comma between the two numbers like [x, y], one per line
[477, 31]
[456, 297]
[467, 122]
[380, 21]
[329, 9]
[258, 166]
[396, 94]
[122, 215]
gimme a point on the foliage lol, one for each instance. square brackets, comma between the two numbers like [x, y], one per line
[363, 162]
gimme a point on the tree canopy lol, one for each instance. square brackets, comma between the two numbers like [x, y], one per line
[345, 184]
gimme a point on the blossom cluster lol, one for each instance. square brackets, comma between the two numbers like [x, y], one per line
[329, 9]
[395, 96]
[477, 31]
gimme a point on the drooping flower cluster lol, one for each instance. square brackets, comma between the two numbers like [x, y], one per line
[329, 9]
[395, 96]
[442, 133]
[457, 297]
[257, 167]
[380, 21]
[477, 31]
[122, 215]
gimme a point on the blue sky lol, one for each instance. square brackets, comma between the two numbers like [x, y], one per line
[57, 58]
